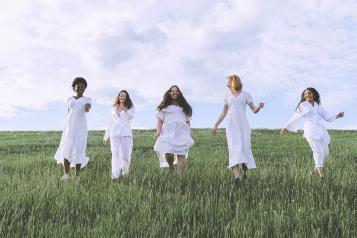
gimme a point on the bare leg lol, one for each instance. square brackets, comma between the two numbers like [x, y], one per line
[181, 160]
[319, 171]
[78, 169]
[236, 171]
[65, 176]
[170, 160]
[245, 169]
[66, 166]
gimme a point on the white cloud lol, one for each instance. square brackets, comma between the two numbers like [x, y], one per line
[278, 48]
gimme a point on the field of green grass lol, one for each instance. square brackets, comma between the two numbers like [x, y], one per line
[279, 198]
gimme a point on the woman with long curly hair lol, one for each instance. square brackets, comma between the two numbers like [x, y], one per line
[173, 139]
[312, 113]
[120, 135]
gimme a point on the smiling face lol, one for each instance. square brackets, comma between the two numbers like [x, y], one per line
[309, 96]
[122, 97]
[79, 88]
[174, 93]
[229, 84]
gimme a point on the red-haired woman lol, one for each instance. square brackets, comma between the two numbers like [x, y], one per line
[238, 131]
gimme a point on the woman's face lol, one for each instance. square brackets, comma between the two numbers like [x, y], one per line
[174, 93]
[309, 96]
[79, 88]
[229, 83]
[122, 97]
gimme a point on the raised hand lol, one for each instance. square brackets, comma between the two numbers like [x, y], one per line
[123, 108]
[87, 107]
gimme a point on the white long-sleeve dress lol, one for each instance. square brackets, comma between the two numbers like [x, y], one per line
[314, 130]
[175, 135]
[121, 140]
[74, 137]
[238, 130]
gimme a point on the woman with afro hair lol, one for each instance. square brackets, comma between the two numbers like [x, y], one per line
[71, 151]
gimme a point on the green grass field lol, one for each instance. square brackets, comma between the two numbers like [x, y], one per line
[279, 198]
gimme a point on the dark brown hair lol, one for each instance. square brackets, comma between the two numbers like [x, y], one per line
[315, 94]
[128, 103]
[79, 80]
[167, 100]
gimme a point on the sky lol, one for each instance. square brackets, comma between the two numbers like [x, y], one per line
[278, 48]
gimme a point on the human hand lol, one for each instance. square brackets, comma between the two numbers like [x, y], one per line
[283, 131]
[157, 134]
[122, 108]
[214, 131]
[261, 105]
[341, 114]
[87, 107]
[105, 142]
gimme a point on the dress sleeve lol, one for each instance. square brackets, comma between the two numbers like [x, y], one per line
[89, 101]
[294, 123]
[109, 128]
[249, 98]
[68, 104]
[325, 115]
[130, 113]
[226, 100]
[160, 115]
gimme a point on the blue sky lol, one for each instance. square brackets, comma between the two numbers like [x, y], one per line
[278, 48]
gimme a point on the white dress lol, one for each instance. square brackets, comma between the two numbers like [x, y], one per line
[175, 135]
[238, 131]
[121, 140]
[74, 137]
[314, 131]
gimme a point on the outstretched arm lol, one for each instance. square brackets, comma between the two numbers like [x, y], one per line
[107, 131]
[254, 108]
[158, 127]
[328, 117]
[220, 119]
[295, 121]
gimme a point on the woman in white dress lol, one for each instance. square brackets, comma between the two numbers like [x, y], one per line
[71, 151]
[312, 113]
[238, 131]
[173, 139]
[120, 134]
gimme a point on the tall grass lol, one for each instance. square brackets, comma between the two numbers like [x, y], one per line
[279, 198]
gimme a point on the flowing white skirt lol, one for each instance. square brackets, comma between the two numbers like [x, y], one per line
[175, 139]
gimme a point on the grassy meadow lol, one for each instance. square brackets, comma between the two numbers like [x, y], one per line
[279, 198]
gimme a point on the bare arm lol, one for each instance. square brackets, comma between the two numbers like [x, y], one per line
[254, 108]
[158, 127]
[220, 119]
